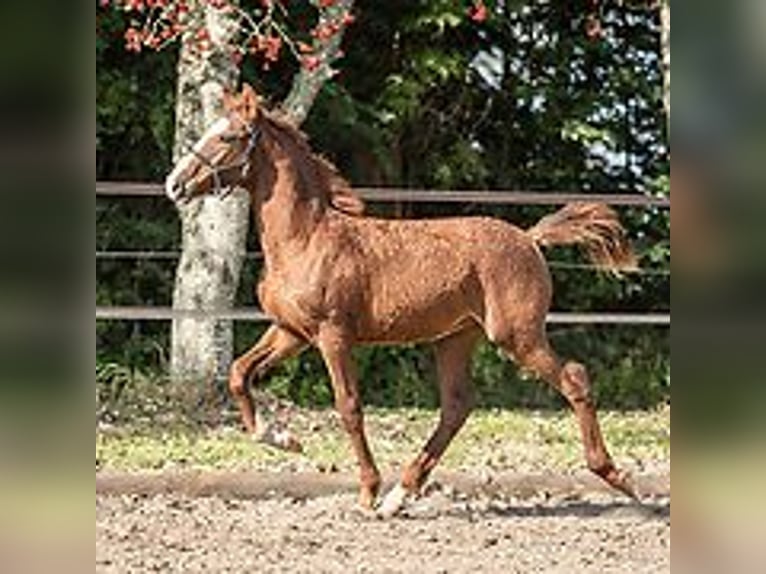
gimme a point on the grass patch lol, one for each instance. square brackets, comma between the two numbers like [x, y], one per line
[523, 441]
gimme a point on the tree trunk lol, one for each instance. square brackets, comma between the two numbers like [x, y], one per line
[213, 230]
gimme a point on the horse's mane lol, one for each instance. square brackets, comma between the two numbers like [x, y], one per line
[320, 178]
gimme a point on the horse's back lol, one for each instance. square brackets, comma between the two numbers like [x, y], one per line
[451, 246]
[425, 278]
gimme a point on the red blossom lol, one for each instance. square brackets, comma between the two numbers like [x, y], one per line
[134, 5]
[478, 12]
[162, 21]
[311, 63]
[324, 31]
[593, 29]
[273, 45]
[132, 40]
[103, 3]
[269, 45]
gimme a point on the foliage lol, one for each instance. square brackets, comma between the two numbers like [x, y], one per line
[628, 368]
[533, 95]
[262, 30]
[134, 106]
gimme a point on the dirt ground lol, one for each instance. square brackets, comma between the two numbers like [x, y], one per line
[308, 523]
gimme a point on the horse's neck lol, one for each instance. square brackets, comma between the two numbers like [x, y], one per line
[286, 219]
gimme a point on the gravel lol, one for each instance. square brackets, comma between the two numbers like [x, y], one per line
[444, 531]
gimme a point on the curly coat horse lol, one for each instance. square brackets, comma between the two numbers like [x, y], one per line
[335, 278]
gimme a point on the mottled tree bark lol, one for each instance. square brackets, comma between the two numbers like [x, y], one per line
[213, 230]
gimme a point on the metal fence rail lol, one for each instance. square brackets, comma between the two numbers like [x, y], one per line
[136, 313]
[382, 194]
[391, 194]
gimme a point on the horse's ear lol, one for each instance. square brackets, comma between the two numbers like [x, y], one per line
[250, 103]
[228, 99]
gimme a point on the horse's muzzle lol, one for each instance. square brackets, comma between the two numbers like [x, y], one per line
[175, 189]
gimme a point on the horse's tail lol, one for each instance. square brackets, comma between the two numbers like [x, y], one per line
[595, 226]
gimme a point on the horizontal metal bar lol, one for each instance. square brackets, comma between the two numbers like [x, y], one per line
[128, 188]
[392, 194]
[143, 254]
[257, 255]
[168, 313]
[498, 197]
[562, 318]
[130, 254]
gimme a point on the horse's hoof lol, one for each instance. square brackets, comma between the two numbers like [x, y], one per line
[281, 439]
[393, 502]
[623, 481]
[364, 511]
[366, 500]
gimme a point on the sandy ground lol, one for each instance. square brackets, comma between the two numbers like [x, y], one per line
[308, 523]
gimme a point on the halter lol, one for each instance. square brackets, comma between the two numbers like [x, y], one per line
[242, 163]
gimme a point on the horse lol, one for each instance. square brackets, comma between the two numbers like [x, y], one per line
[335, 278]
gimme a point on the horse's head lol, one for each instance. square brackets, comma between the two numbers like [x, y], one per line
[222, 157]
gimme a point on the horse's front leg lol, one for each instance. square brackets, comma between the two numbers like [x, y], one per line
[336, 352]
[275, 345]
[453, 357]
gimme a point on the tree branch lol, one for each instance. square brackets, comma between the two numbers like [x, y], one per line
[308, 82]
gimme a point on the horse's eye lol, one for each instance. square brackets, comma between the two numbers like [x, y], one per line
[229, 138]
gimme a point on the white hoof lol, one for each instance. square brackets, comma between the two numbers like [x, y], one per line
[278, 438]
[365, 512]
[393, 502]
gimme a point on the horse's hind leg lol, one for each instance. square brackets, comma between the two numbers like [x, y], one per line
[531, 351]
[453, 357]
[275, 345]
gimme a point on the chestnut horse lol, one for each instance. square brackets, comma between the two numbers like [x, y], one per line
[335, 278]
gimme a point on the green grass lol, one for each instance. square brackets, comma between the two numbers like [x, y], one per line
[523, 441]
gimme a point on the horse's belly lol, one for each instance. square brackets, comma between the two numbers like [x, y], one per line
[407, 317]
[414, 332]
